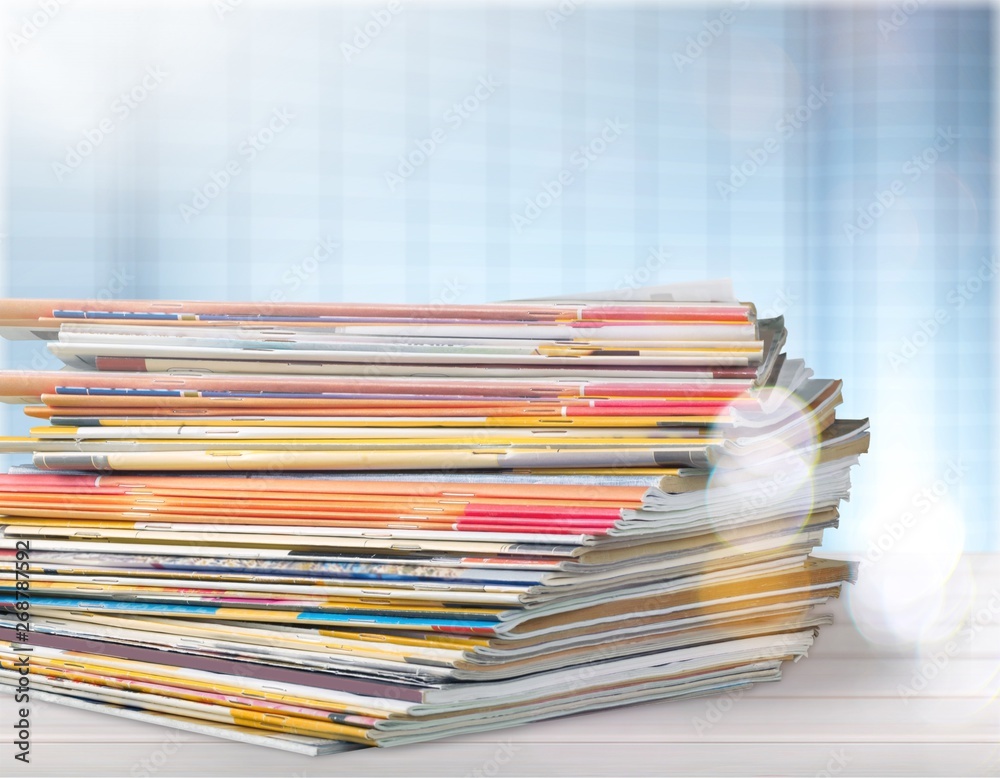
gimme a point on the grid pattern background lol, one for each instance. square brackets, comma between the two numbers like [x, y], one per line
[792, 148]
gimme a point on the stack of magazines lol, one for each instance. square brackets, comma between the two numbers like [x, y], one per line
[325, 526]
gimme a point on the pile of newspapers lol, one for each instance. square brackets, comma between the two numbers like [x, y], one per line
[323, 526]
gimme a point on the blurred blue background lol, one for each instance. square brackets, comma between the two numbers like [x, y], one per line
[836, 162]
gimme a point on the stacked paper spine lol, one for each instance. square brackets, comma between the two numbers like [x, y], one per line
[319, 527]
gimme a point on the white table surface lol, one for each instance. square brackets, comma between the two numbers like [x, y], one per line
[837, 712]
